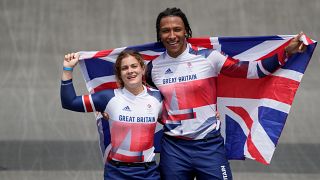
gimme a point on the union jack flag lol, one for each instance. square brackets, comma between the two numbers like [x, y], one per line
[253, 111]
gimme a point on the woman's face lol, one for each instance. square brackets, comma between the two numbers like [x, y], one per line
[131, 72]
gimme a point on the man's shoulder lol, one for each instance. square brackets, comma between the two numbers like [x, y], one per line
[154, 93]
[205, 52]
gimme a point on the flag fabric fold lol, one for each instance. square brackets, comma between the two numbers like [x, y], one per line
[253, 111]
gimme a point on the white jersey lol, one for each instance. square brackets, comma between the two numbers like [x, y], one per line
[132, 120]
[188, 85]
[132, 125]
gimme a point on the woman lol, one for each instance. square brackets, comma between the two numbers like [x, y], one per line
[133, 112]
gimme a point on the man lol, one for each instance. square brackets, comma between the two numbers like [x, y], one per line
[192, 145]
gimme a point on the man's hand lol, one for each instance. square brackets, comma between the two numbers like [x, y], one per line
[295, 46]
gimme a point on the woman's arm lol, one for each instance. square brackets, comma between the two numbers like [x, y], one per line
[83, 103]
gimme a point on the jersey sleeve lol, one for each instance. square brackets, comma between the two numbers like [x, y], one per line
[84, 103]
[248, 69]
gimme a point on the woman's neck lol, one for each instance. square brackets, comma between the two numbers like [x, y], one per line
[135, 91]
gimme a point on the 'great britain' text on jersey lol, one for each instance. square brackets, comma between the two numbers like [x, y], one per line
[136, 119]
[180, 79]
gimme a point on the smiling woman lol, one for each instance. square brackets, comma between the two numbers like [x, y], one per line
[129, 70]
[132, 128]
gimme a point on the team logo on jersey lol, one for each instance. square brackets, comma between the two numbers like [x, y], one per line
[189, 66]
[126, 108]
[168, 71]
[149, 108]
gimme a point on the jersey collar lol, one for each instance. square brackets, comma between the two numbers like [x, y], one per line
[186, 51]
[128, 93]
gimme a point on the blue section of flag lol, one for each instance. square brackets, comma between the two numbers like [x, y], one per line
[235, 139]
[156, 47]
[105, 68]
[300, 61]
[106, 132]
[272, 122]
[236, 45]
[270, 119]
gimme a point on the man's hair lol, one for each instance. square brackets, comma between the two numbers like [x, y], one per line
[173, 12]
[117, 65]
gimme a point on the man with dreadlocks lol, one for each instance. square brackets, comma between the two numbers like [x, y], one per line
[192, 145]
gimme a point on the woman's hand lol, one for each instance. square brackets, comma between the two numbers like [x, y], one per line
[71, 60]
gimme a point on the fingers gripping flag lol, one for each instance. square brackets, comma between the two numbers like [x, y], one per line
[253, 111]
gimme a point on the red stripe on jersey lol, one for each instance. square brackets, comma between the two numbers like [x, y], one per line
[102, 53]
[138, 135]
[87, 103]
[252, 149]
[272, 87]
[235, 68]
[190, 94]
[104, 86]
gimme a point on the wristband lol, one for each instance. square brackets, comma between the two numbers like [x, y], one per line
[67, 68]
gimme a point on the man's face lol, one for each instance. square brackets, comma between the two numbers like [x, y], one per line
[172, 35]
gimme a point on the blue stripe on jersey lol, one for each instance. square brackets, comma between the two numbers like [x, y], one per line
[96, 63]
[203, 52]
[169, 127]
[71, 101]
[68, 97]
[260, 73]
[271, 64]
[299, 62]
[236, 45]
[101, 99]
[155, 94]
[272, 128]
[66, 82]
[235, 139]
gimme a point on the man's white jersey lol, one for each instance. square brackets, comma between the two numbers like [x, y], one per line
[188, 85]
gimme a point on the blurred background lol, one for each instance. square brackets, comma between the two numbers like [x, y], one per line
[40, 140]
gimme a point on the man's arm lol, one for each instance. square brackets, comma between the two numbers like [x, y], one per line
[260, 68]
